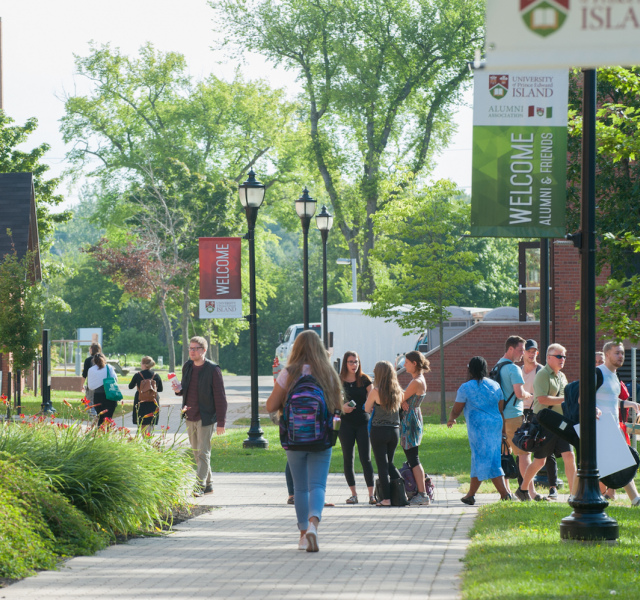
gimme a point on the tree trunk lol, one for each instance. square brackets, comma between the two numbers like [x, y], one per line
[443, 398]
[185, 322]
[168, 334]
[214, 347]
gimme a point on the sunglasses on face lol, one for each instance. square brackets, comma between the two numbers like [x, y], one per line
[559, 356]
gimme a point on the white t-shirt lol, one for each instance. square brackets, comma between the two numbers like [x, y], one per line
[96, 376]
[284, 375]
[528, 384]
[607, 396]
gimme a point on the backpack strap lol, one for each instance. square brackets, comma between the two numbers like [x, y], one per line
[499, 368]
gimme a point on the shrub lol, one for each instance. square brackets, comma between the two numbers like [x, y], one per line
[132, 341]
[37, 523]
[120, 481]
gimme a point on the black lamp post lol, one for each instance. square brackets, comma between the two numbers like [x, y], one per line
[251, 197]
[324, 221]
[306, 208]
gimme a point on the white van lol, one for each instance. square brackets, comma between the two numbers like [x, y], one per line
[286, 340]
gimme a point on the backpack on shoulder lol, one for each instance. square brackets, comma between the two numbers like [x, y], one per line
[306, 423]
[571, 406]
[147, 390]
[495, 375]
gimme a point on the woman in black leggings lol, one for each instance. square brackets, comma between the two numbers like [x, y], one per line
[385, 424]
[355, 424]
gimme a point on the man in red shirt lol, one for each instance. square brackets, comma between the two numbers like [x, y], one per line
[204, 403]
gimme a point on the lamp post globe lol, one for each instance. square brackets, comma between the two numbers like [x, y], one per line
[324, 222]
[306, 208]
[251, 194]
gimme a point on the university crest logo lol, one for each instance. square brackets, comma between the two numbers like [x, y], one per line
[498, 86]
[544, 17]
[210, 306]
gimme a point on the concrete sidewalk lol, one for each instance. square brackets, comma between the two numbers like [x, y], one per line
[247, 548]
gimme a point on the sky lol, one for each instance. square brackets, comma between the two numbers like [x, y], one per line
[40, 38]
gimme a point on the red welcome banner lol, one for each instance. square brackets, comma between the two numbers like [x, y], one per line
[220, 284]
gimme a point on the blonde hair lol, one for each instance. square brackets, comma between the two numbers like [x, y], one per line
[389, 390]
[200, 341]
[308, 350]
[148, 361]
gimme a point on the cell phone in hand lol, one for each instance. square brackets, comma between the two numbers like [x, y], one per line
[351, 403]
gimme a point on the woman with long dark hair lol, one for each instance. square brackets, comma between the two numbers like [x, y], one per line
[355, 423]
[411, 425]
[479, 398]
[386, 397]
[309, 468]
[95, 380]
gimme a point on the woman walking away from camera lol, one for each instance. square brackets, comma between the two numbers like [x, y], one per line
[95, 378]
[88, 363]
[309, 465]
[146, 409]
[386, 398]
[479, 398]
[411, 422]
[355, 424]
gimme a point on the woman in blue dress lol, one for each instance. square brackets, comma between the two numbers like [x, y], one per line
[479, 398]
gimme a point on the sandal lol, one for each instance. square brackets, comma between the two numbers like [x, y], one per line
[383, 505]
[352, 500]
[372, 500]
[290, 500]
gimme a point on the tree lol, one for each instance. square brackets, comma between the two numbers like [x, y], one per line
[619, 299]
[141, 273]
[168, 153]
[421, 242]
[13, 160]
[379, 78]
[22, 311]
[617, 162]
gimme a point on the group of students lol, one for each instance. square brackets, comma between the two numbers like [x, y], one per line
[372, 416]
[95, 370]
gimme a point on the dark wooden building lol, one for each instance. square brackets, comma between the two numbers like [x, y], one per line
[18, 214]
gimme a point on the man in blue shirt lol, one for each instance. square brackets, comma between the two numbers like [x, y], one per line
[512, 382]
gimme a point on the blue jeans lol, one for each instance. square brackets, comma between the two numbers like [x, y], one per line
[310, 471]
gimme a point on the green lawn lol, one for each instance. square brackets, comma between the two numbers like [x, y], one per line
[516, 553]
[31, 405]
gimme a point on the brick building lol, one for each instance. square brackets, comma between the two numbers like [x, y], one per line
[487, 338]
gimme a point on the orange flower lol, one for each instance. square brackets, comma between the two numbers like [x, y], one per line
[66, 403]
[103, 412]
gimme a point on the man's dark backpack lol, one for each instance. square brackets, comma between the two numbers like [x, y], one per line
[495, 375]
[571, 406]
[147, 390]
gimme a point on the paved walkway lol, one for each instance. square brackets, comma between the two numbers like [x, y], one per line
[247, 548]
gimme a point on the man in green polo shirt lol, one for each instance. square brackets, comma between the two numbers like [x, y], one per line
[548, 392]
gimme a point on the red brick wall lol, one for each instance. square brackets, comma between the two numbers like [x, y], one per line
[4, 367]
[487, 338]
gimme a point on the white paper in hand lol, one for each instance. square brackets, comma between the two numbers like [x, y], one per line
[612, 452]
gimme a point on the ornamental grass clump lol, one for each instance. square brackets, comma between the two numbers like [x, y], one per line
[123, 483]
[37, 524]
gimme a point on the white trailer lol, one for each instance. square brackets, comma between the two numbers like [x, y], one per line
[371, 337]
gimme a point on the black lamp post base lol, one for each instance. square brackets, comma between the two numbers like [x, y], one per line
[589, 527]
[255, 440]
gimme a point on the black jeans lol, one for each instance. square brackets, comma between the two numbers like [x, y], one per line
[349, 435]
[384, 441]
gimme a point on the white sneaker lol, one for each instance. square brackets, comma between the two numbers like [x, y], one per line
[636, 501]
[420, 499]
[302, 544]
[312, 538]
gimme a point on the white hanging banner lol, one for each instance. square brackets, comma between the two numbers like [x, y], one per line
[524, 34]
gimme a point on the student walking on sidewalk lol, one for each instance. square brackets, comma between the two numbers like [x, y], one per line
[309, 465]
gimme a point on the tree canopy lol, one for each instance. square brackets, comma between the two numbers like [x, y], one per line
[379, 78]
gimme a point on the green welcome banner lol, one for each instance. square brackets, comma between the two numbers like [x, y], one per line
[519, 154]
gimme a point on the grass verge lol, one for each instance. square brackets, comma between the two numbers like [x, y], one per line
[516, 553]
[31, 405]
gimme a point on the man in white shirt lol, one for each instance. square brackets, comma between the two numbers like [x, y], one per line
[607, 398]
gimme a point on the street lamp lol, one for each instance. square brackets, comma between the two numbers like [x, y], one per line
[324, 221]
[352, 262]
[306, 208]
[251, 197]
